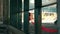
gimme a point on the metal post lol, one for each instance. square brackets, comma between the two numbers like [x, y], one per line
[13, 14]
[58, 14]
[19, 19]
[26, 16]
[38, 22]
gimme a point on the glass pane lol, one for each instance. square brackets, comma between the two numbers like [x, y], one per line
[45, 2]
[31, 16]
[49, 14]
[31, 4]
[22, 4]
[49, 19]
[31, 21]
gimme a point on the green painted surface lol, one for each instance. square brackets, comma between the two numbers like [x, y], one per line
[19, 14]
[26, 16]
[38, 4]
[13, 14]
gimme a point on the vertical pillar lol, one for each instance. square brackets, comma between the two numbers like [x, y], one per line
[19, 14]
[58, 16]
[26, 16]
[38, 22]
[13, 14]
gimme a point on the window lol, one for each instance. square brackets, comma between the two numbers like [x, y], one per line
[31, 4]
[49, 14]
[46, 2]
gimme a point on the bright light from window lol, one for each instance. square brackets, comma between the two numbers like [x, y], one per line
[31, 1]
[22, 0]
[45, 2]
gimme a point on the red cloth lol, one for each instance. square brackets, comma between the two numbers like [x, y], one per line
[48, 29]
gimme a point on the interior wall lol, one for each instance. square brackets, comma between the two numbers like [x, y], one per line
[1, 11]
[5, 11]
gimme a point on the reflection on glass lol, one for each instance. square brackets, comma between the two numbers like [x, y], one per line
[45, 2]
[49, 14]
[31, 16]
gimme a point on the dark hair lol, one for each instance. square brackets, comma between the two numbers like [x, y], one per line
[29, 14]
